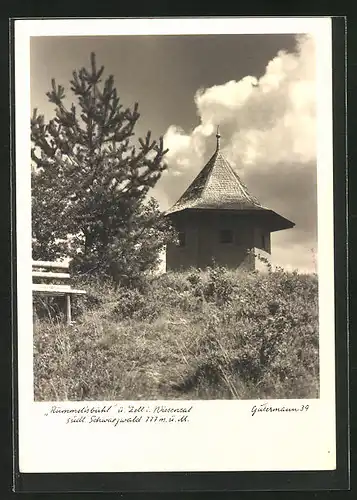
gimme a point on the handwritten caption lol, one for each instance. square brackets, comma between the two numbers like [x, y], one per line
[266, 408]
[116, 414]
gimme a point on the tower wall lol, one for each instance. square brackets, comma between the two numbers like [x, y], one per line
[203, 243]
[183, 257]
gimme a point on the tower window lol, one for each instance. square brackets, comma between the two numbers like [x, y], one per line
[226, 236]
[264, 242]
[181, 239]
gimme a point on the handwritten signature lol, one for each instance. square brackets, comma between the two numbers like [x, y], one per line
[264, 407]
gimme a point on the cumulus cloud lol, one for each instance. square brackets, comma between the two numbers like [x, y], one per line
[268, 129]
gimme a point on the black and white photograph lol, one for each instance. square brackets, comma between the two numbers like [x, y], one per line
[179, 245]
[174, 186]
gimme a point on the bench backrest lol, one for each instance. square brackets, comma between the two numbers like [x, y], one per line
[50, 270]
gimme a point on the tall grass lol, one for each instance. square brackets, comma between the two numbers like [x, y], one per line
[194, 335]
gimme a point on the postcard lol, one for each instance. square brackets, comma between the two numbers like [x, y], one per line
[175, 245]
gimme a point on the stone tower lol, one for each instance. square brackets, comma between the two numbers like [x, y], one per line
[219, 221]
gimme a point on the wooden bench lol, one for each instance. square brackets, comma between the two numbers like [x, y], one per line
[54, 271]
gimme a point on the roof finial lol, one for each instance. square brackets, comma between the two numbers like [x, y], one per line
[218, 135]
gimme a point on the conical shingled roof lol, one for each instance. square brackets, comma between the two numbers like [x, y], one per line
[217, 186]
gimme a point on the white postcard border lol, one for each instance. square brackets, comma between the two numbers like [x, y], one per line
[221, 435]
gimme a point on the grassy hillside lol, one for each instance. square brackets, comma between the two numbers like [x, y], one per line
[195, 335]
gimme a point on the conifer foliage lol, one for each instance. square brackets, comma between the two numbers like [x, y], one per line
[90, 183]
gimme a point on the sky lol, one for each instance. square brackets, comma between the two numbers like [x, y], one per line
[260, 90]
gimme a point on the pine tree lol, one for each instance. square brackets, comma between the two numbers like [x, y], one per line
[90, 184]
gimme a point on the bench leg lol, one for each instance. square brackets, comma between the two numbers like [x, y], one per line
[68, 309]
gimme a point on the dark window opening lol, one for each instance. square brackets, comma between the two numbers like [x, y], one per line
[226, 236]
[181, 239]
[264, 242]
